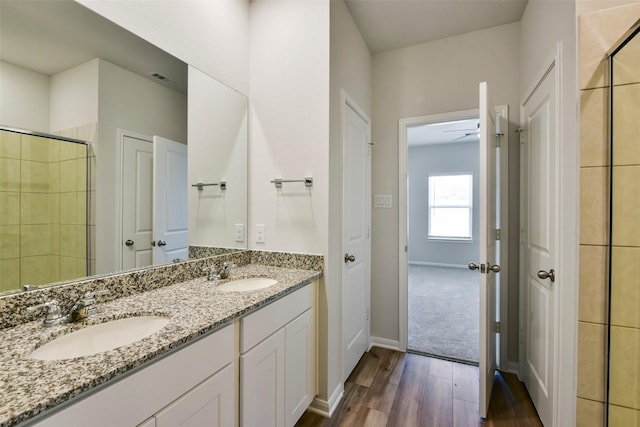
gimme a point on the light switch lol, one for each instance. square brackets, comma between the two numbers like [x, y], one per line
[240, 233]
[260, 233]
[382, 201]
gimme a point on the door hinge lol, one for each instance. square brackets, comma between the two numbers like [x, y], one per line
[406, 248]
[497, 327]
[368, 232]
[499, 139]
[367, 314]
[498, 234]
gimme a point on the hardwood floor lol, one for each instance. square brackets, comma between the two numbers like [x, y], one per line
[389, 388]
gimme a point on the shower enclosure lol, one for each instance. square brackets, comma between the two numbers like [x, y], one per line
[43, 209]
[623, 406]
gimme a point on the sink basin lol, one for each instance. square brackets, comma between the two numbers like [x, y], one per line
[250, 284]
[101, 337]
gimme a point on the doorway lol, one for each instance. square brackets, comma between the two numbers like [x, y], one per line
[437, 273]
[443, 214]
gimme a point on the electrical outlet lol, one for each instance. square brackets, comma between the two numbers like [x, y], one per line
[240, 235]
[260, 233]
[382, 201]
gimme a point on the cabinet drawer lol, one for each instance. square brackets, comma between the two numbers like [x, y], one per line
[259, 325]
[132, 399]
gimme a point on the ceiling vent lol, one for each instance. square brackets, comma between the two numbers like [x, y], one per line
[161, 77]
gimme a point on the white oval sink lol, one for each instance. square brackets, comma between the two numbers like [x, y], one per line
[249, 284]
[101, 337]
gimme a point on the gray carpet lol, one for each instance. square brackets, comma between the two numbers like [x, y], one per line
[444, 310]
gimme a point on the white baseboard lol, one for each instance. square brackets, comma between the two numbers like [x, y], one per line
[326, 408]
[385, 343]
[438, 264]
[513, 368]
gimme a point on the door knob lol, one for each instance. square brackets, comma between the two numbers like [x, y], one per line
[349, 258]
[129, 242]
[551, 274]
[162, 243]
[474, 266]
[493, 268]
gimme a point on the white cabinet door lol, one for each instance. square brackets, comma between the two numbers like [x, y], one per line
[262, 383]
[299, 358]
[210, 404]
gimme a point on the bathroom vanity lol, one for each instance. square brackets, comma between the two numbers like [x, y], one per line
[226, 358]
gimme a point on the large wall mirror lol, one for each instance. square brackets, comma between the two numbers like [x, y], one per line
[154, 129]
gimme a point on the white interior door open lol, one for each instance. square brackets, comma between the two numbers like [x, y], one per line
[356, 241]
[489, 259]
[137, 202]
[170, 201]
[539, 221]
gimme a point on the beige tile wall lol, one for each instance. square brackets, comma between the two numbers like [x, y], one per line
[43, 197]
[598, 31]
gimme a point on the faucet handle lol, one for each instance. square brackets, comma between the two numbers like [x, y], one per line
[54, 313]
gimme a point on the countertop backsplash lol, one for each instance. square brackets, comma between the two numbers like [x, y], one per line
[13, 307]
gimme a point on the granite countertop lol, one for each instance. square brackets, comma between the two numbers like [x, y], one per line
[29, 387]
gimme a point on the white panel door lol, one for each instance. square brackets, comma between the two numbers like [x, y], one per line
[210, 404]
[299, 357]
[137, 202]
[170, 221]
[538, 115]
[262, 383]
[356, 243]
[488, 250]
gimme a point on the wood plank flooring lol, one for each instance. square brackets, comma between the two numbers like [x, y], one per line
[389, 388]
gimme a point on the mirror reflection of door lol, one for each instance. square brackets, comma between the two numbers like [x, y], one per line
[143, 242]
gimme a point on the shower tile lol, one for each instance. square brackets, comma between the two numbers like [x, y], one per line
[81, 174]
[54, 208]
[9, 274]
[88, 132]
[597, 32]
[81, 208]
[624, 380]
[54, 268]
[593, 284]
[594, 146]
[68, 208]
[54, 177]
[68, 175]
[589, 413]
[69, 133]
[54, 239]
[81, 267]
[625, 287]
[623, 417]
[54, 150]
[9, 144]
[34, 148]
[10, 237]
[9, 174]
[9, 208]
[626, 126]
[34, 176]
[34, 240]
[68, 151]
[591, 363]
[68, 240]
[627, 63]
[81, 242]
[34, 208]
[34, 270]
[594, 205]
[68, 268]
[625, 230]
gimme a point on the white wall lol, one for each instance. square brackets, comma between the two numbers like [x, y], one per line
[544, 25]
[217, 127]
[209, 35]
[131, 102]
[457, 158]
[73, 97]
[289, 121]
[430, 78]
[25, 98]
[351, 70]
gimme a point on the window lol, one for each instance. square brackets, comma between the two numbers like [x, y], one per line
[450, 206]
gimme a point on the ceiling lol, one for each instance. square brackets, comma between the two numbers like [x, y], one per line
[391, 24]
[443, 132]
[52, 36]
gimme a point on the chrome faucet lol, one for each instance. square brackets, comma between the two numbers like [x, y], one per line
[222, 273]
[83, 309]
